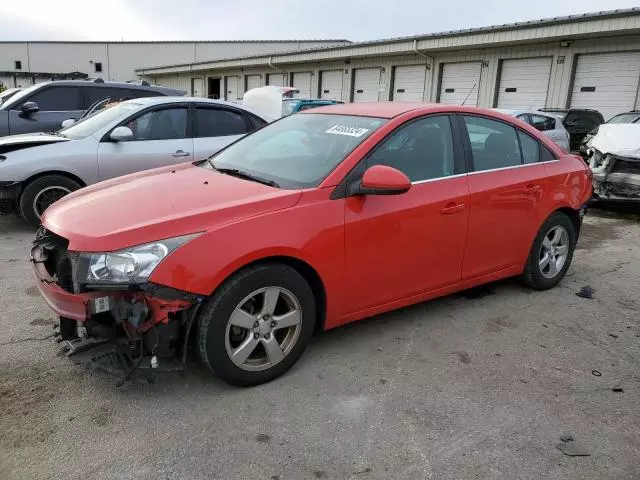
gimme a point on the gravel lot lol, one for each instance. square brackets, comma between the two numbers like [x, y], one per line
[477, 385]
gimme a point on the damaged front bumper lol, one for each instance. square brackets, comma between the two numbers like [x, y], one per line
[135, 329]
[615, 177]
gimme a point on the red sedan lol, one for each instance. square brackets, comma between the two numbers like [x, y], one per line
[316, 220]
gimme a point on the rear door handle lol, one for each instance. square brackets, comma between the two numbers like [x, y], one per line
[180, 153]
[453, 207]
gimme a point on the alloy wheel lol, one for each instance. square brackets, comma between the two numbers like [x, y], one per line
[553, 251]
[263, 328]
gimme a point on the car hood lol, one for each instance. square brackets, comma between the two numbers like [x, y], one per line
[157, 204]
[18, 142]
[620, 139]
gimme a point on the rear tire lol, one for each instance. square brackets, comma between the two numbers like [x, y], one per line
[38, 195]
[551, 253]
[266, 311]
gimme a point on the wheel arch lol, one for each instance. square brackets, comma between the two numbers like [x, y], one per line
[308, 272]
[60, 173]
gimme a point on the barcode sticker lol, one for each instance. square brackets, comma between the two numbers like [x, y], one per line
[101, 305]
[349, 131]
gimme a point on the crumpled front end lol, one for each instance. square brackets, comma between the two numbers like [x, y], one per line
[121, 329]
[615, 162]
[614, 177]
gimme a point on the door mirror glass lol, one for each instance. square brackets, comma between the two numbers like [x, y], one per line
[68, 122]
[121, 134]
[383, 180]
[29, 107]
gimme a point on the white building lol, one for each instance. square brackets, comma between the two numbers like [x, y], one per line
[24, 63]
[590, 60]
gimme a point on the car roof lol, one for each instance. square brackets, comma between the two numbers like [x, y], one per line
[149, 101]
[110, 84]
[394, 109]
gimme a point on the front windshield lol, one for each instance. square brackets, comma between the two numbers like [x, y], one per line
[97, 121]
[298, 151]
[624, 118]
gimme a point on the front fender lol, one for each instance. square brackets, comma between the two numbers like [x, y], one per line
[312, 231]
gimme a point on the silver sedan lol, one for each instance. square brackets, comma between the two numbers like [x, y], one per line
[547, 123]
[38, 169]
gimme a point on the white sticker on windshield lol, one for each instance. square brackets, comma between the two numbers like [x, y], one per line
[349, 131]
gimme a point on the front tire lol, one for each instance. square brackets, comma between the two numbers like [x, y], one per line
[551, 253]
[38, 195]
[256, 326]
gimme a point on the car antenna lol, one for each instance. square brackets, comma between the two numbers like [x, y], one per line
[468, 94]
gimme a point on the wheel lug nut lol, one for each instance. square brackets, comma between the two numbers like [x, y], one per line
[267, 336]
[273, 324]
[256, 324]
[256, 336]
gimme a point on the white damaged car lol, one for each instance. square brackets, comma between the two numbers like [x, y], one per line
[614, 159]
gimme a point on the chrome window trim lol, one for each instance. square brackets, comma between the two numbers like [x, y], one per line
[512, 167]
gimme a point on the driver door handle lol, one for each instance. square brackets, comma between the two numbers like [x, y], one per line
[180, 153]
[453, 207]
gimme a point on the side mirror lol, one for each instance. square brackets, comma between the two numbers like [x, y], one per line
[68, 122]
[121, 134]
[383, 180]
[29, 107]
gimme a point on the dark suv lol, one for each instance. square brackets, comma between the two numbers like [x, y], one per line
[578, 122]
[43, 107]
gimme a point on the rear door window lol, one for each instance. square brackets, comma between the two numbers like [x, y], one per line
[494, 144]
[218, 122]
[56, 99]
[530, 148]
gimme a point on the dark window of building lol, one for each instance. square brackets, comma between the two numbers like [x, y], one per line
[98, 66]
[18, 65]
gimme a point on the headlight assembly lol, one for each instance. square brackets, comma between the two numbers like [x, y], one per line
[128, 266]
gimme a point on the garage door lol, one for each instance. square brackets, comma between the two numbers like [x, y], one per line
[524, 83]
[231, 86]
[607, 82]
[197, 87]
[252, 81]
[460, 83]
[331, 84]
[366, 84]
[276, 79]
[408, 83]
[302, 81]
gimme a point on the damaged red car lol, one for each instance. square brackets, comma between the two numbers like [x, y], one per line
[316, 220]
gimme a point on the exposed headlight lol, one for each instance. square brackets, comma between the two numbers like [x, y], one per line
[132, 265]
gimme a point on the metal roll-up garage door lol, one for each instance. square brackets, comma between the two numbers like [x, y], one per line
[366, 84]
[408, 83]
[231, 88]
[524, 83]
[302, 81]
[277, 79]
[331, 84]
[252, 81]
[607, 82]
[460, 83]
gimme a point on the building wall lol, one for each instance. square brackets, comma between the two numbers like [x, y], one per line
[563, 59]
[120, 59]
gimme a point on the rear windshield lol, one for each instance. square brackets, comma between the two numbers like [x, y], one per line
[298, 151]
